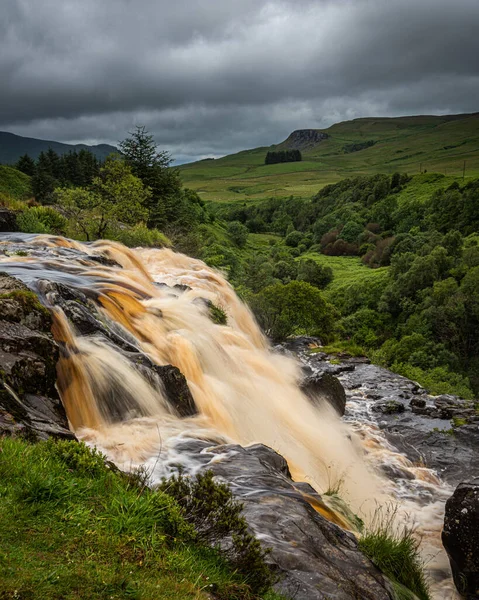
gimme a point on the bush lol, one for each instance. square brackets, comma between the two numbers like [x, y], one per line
[217, 314]
[315, 274]
[293, 239]
[297, 307]
[140, 235]
[216, 517]
[238, 233]
[439, 380]
[395, 553]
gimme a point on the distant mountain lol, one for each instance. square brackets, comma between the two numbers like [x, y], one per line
[13, 146]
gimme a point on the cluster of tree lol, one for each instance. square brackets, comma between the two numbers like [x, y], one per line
[363, 216]
[137, 188]
[282, 156]
[51, 170]
[423, 317]
[357, 146]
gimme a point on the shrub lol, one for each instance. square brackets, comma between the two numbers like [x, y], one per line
[238, 233]
[315, 274]
[297, 307]
[140, 235]
[78, 456]
[293, 239]
[216, 517]
[41, 219]
[217, 314]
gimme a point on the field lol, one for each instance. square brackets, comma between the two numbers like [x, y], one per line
[406, 144]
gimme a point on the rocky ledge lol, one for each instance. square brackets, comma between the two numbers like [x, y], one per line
[314, 558]
[439, 432]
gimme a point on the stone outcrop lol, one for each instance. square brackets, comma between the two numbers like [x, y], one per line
[314, 558]
[8, 220]
[301, 139]
[327, 388]
[461, 538]
[29, 401]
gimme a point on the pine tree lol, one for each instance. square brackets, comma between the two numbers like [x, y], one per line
[26, 165]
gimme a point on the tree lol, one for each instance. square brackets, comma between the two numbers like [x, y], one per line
[43, 185]
[117, 196]
[238, 233]
[297, 307]
[26, 165]
[315, 274]
[166, 203]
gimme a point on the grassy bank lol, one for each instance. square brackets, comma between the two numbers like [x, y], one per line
[72, 528]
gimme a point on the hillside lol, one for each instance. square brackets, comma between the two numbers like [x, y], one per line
[405, 144]
[13, 146]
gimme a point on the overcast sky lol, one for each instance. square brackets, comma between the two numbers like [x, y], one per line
[210, 77]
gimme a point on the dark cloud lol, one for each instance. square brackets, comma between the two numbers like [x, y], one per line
[209, 77]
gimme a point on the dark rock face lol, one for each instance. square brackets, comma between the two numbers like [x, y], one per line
[304, 138]
[326, 387]
[461, 538]
[82, 312]
[314, 558]
[29, 402]
[8, 220]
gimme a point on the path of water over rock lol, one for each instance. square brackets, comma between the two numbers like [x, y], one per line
[145, 375]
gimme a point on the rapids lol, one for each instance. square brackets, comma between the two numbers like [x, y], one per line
[245, 393]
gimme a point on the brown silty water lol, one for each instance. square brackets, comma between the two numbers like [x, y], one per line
[244, 392]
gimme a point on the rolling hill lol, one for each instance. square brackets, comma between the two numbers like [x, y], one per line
[362, 146]
[13, 146]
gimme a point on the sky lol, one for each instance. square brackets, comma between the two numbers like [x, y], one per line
[211, 77]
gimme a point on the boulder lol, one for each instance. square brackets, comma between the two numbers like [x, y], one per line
[460, 538]
[325, 387]
[8, 220]
[29, 402]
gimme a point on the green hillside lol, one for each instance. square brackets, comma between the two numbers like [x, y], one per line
[405, 144]
[14, 183]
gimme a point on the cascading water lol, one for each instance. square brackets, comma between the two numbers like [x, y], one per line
[244, 392]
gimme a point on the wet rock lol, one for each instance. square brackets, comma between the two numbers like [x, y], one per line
[423, 429]
[29, 401]
[390, 407]
[417, 403]
[176, 389]
[461, 538]
[325, 387]
[314, 558]
[8, 220]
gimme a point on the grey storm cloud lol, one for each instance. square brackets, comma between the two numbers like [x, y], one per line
[208, 77]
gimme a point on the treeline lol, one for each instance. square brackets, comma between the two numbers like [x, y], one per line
[51, 170]
[134, 196]
[282, 156]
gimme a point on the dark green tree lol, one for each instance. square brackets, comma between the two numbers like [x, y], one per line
[26, 165]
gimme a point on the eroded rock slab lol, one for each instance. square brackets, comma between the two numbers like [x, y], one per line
[29, 401]
[315, 559]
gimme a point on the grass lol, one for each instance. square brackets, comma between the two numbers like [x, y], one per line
[14, 183]
[72, 528]
[408, 144]
[396, 553]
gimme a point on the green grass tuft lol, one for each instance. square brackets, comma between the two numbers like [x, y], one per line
[396, 553]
